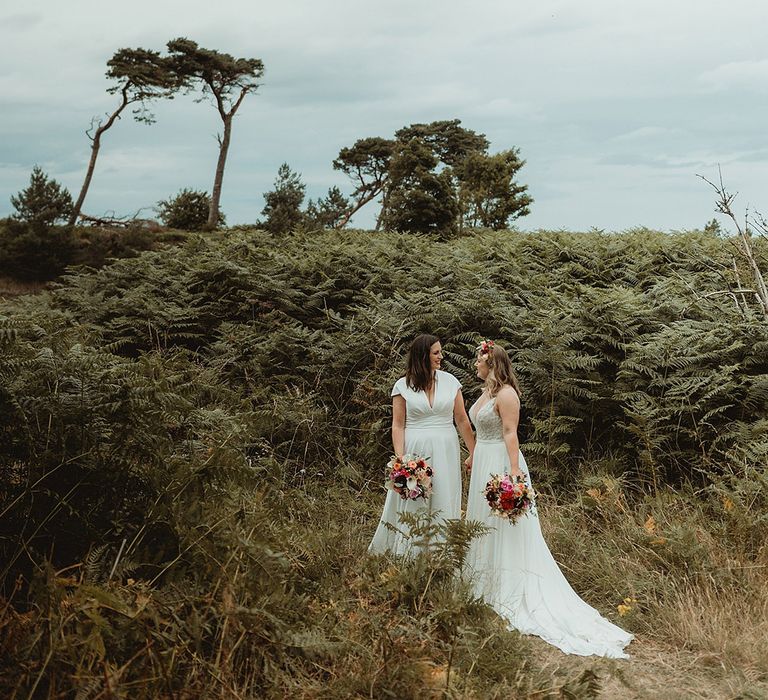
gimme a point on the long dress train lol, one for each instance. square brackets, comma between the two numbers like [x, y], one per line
[430, 433]
[513, 569]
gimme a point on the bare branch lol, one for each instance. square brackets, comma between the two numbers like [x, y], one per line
[724, 206]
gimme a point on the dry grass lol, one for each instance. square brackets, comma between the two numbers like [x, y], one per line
[700, 613]
[10, 287]
[697, 637]
[727, 628]
[656, 672]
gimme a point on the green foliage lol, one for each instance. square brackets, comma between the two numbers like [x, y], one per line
[449, 142]
[419, 200]
[221, 76]
[43, 202]
[33, 251]
[142, 75]
[616, 338]
[435, 178]
[282, 205]
[99, 245]
[190, 439]
[187, 211]
[488, 193]
[328, 211]
[366, 162]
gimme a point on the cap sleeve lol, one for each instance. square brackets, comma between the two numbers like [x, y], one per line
[455, 383]
[399, 388]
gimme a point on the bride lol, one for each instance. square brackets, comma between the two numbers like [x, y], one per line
[511, 566]
[426, 403]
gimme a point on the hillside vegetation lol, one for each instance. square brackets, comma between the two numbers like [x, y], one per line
[192, 444]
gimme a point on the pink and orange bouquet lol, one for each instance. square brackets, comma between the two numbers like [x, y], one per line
[410, 476]
[507, 497]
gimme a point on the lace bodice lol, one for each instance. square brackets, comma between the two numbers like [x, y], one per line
[487, 421]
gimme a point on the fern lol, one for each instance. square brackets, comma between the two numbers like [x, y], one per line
[216, 406]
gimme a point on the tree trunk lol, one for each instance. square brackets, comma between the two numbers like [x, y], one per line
[88, 175]
[95, 145]
[213, 211]
[356, 207]
[384, 205]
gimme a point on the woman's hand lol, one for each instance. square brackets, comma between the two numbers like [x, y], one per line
[517, 474]
[468, 464]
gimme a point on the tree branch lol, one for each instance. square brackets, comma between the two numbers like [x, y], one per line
[724, 202]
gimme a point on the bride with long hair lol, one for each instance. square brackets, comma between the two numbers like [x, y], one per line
[511, 566]
[427, 409]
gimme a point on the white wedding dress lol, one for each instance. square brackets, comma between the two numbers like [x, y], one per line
[430, 433]
[513, 570]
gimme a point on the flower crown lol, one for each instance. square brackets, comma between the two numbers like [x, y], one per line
[486, 346]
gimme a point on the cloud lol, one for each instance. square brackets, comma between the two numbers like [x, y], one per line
[605, 100]
[505, 107]
[20, 22]
[751, 76]
[652, 161]
[759, 155]
[644, 133]
[686, 163]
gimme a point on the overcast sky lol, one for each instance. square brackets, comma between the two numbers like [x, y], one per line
[615, 106]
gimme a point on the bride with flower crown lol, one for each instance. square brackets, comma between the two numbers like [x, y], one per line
[511, 566]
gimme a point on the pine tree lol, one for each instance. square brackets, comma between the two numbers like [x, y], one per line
[226, 80]
[328, 211]
[283, 204]
[44, 202]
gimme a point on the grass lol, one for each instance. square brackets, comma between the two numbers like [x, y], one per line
[700, 597]
[318, 618]
[10, 287]
[224, 460]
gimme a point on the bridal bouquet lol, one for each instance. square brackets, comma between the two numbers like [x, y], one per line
[410, 476]
[506, 497]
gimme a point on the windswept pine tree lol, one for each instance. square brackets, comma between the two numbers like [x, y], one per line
[224, 79]
[139, 76]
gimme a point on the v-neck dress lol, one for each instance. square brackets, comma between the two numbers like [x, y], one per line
[512, 568]
[429, 433]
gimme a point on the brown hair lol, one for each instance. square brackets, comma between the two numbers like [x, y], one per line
[418, 368]
[500, 372]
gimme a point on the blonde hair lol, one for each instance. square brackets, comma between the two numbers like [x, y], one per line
[500, 372]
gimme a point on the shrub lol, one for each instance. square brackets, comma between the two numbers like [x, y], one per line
[187, 211]
[34, 251]
[97, 245]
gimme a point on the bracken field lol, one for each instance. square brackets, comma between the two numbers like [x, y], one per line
[192, 444]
